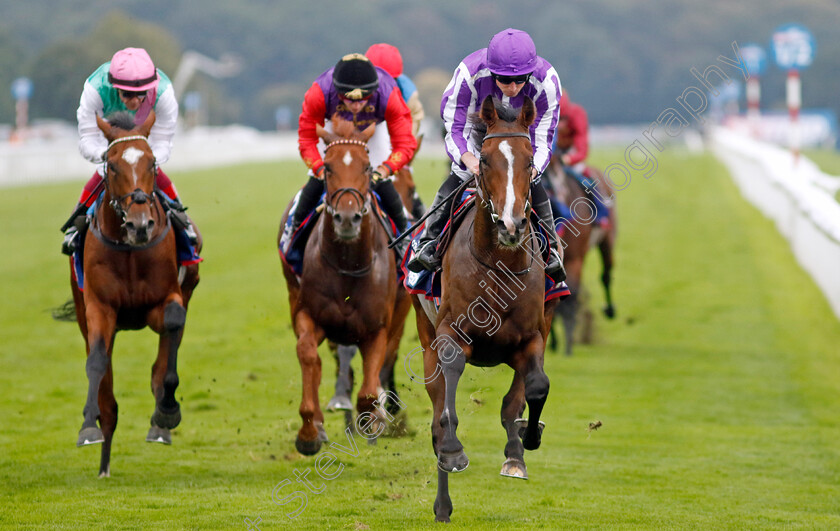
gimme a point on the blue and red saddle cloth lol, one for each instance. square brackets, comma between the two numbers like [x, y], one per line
[562, 212]
[187, 253]
[295, 247]
[427, 283]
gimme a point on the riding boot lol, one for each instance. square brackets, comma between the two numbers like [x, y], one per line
[76, 227]
[306, 201]
[554, 268]
[393, 206]
[424, 256]
[182, 221]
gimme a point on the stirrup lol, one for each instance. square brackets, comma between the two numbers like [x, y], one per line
[424, 258]
[554, 268]
[71, 238]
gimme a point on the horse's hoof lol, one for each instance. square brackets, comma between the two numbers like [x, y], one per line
[609, 311]
[443, 511]
[105, 473]
[514, 468]
[88, 436]
[322, 433]
[166, 420]
[159, 435]
[307, 447]
[453, 461]
[339, 403]
[529, 444]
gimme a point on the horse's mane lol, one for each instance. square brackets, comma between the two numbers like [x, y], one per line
[345, 128]
[122, 120]
[505, 111]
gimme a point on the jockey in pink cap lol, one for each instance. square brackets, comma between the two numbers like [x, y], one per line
[129, 82]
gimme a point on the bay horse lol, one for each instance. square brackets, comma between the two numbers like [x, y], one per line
[347, 289]
[580, 233]
[481, 320]
[131, 281]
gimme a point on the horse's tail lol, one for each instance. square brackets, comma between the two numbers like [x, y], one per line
[65, 312]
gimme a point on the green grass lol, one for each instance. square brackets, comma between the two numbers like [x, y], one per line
[827, 159]
[718, 386]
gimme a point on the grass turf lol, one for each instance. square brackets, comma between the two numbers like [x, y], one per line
[718, 385]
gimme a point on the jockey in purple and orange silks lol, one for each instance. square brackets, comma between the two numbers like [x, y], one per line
[128, 82]
[364, 94]
[509, 69]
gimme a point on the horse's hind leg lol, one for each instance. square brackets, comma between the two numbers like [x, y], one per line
[344, 379]
[167, 413]
[513, 405]
[107, 420]
[606, 248]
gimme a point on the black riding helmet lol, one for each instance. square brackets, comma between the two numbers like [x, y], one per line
[355, 77]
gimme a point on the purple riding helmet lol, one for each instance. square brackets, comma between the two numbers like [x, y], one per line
[511, 53]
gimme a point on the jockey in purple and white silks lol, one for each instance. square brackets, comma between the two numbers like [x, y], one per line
[509, 69]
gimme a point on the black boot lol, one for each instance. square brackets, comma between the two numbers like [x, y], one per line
[393, 206]
[73, 234]
[182, 221]
[542, 207]
[308, 198]
[424, 257]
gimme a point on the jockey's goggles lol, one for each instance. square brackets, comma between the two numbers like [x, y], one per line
[129, 94]
[506, 80]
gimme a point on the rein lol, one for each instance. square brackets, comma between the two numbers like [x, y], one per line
[122, 246]
[349, 272]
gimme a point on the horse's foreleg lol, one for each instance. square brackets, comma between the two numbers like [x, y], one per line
[101, 325]
[369, 423]
[451, 456]
[170, 325]
[443, 503]
[107, 420]
[311, 434]
[530, 365]
[513, 405]
[344, 379]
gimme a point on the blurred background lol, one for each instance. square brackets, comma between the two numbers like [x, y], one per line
[249, 62]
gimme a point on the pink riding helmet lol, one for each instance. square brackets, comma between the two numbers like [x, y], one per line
[511, 53]
[132, 69]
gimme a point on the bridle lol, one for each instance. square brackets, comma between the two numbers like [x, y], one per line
[488, 203]
[137, 196]
[338, 193]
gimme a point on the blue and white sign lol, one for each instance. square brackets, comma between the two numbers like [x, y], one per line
[793, 47]
[22, 88]
[755, 59]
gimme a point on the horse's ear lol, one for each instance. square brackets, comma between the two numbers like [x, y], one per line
[147, 124]
[324, 134]
[528, 113]
[488, 111]
[368, 132]
[105, 127]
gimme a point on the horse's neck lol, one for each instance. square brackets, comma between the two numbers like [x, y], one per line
[351, 254]
[485, 242]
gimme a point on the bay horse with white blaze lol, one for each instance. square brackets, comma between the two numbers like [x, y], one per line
[347, 288]
[131, 280]
[485, 323]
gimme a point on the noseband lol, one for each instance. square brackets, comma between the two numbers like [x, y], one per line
[488, 203]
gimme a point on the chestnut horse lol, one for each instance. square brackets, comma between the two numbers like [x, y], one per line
[131, 280]
[581, 233]
[481, 320]
[347, 289]
[343, 354]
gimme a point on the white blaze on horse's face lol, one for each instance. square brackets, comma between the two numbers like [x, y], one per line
[348, 158]
[131, 155]
[510, 194]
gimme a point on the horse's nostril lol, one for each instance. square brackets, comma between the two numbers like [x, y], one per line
[522, 223]
[357, 217]
[151, 224]
[129, 225]
[337, 217]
